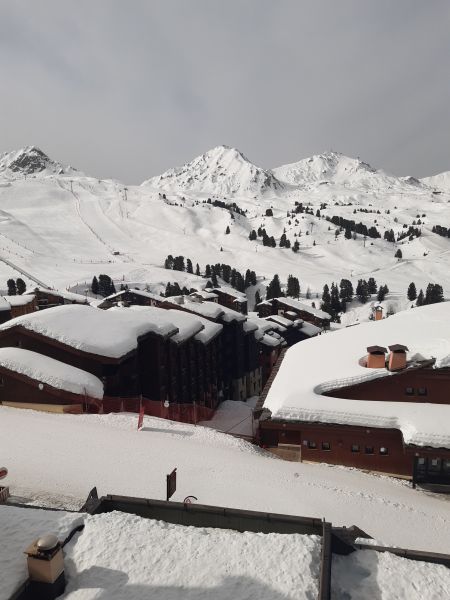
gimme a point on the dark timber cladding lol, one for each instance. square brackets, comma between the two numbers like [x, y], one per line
[119, 375]
[16, 387]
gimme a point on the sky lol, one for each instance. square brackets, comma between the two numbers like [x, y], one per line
[129, 89]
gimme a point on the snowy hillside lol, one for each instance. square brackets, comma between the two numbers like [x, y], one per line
[439, 182]
[60, 227]
[222, 171]
[333, 167]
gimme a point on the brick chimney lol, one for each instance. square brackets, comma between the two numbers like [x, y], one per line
[376, 357]
[397, 357]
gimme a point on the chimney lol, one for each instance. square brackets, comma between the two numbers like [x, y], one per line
[378, 313]
[376, 357]
[397, 357]
[46, 568]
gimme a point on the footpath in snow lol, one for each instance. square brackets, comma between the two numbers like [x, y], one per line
[57, 459]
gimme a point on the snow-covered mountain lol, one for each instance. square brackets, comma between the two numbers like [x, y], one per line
[439, 182]
[222, 172]
[333, 167]
[31, 161]
[64, 229]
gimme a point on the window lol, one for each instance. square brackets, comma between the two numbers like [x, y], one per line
[312, 445]
[446, 465]
[422, 392]
[2, 383]
[409, 391]
[384, 451]
[355, 448]
[326, 446]
[369, 450]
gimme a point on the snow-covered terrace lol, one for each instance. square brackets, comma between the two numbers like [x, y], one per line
[332, 361]
[51, 372]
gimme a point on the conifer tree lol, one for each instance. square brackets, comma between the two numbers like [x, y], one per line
[274, 288]
[227, 230]
[420, 298]
[398, 254]
[257, 298]
[20, 285]
[296, 246]
[346, 290]
[326, 299]
[197, 269]
[335, 303]
[189, 268]
[372, 286]
[94, 285]
[362, 291]
[293, 287]
[412, 292]
[12, 289]
[383, 290]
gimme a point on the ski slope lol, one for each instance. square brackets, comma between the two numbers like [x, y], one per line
[62, 227]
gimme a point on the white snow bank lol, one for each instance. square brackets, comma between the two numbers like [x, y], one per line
[366, 574]
[20, 300]
[51, 372]
[332, 361]
[19, 527]
[106, 333]
[129, 557]
[38, 449]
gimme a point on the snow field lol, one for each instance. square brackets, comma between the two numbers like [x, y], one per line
[57, 459]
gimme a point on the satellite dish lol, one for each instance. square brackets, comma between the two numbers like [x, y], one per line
[166, 404]
[41, 386]
[3, 472]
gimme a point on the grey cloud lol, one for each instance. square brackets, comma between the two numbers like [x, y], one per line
[128, 89]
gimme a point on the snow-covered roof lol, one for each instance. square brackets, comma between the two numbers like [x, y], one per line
[142, 293]
[280, 320]
[320, 314]
[4, 304]
[20, 300]
[207, 334]
[51, 372]
[226, 289]
[205, 294]
[269, 340]
[187, 325]
[207, 309]
[71, 296]
[309, 329]
[105, 333]
[332, 361]
[231, 315]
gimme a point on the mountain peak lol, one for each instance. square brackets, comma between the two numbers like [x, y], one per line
[221, 171]
[30, 160]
